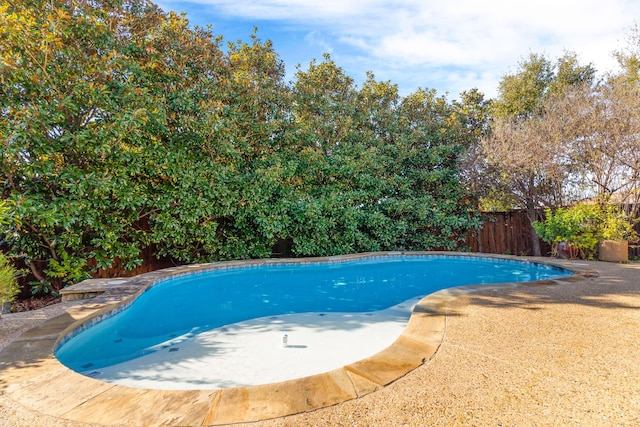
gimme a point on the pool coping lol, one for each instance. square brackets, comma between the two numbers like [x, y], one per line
[30, 374]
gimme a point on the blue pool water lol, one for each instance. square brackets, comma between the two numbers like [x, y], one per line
[202, 301]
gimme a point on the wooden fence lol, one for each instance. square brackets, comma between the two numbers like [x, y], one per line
[149, 263]
[510, 233]
[507, 233]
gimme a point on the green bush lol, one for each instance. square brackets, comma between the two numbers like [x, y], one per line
[616, 225]
[583, 225]
[9, 287]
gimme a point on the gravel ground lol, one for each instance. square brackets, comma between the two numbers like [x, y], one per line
[528, 356]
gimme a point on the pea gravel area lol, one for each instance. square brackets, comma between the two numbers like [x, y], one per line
[553, 355]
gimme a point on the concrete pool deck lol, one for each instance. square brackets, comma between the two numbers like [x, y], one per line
[33, 382]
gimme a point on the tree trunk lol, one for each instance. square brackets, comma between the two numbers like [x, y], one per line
[535, 240]
[36, 273]
[535, 243]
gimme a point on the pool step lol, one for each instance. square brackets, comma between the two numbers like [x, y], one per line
[91, 288]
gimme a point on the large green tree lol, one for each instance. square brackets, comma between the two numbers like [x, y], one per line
[384, 170]
[600, 125]
[72, 122]
[524, 154]
[221, 194]
[522, 93]
[124, 127]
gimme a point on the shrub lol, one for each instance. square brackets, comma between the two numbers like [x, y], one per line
[616, 225]
[9, 287]
[583, 225]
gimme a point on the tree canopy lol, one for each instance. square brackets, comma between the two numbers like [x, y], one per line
[558, 135]
[124, 128]
[525, 153]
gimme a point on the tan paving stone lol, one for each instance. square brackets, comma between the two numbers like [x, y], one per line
[276, 400]
[25, 372]
[427, 322]
[362, 385]
[393, 362]
[139, 407]
[82, 312]
[57, 391]
[25, 359]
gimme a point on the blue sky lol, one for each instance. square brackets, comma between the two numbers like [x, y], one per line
[447, 45]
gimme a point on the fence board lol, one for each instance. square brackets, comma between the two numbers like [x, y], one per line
[504, 233]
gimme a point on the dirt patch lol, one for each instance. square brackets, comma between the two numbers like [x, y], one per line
[34, 303]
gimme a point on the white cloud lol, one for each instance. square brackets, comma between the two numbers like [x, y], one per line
[316, 38]
[480, 40]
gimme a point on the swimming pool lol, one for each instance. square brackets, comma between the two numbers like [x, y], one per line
[185, 306]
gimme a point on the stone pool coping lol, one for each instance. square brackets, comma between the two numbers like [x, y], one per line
[31, 375]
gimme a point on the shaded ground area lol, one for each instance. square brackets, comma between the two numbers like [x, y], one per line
[547, 355]
[34, 303]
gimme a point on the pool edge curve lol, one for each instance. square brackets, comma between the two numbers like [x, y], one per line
[31, 375]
